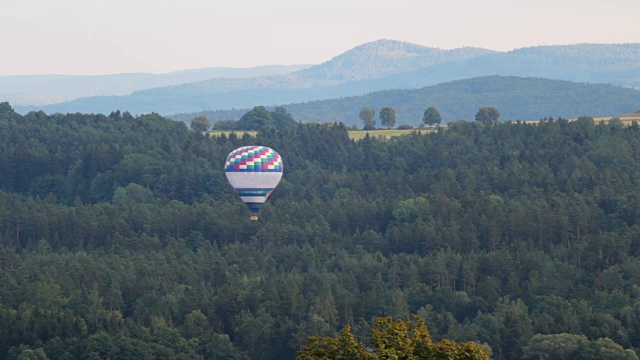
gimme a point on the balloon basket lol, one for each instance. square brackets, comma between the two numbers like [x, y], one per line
[254, 217]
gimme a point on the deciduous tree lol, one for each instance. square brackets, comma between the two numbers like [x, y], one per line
[366, 115]
[258, 118]
[388, 116]
[431, 116]
[488, 115]
[390, 339]
[200, 123]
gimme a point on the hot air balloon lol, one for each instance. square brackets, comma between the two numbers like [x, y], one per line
[254, 171]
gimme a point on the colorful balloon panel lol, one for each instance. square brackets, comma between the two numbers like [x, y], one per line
[254, 159]
[254, 171]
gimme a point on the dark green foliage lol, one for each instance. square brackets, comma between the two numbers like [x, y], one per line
[282, 118]
[431, 116]
[366, 115]
[7, 112]
[120, 238]
[487, 115]
[200, 123]
[388, 116]
[259, 118]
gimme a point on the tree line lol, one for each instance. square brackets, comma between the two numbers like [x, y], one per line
[430, 117]
[120, 238]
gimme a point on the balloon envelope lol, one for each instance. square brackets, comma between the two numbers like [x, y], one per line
[254, 171]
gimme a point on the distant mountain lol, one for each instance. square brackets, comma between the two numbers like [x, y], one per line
[386, 57]
[49, 89]
[380, 65]
[617, 64]
[329, 79]
[516, 98]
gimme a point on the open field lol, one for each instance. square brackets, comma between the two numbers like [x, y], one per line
[215, 133]
[626, 119]
[353, 134]
[388, 133]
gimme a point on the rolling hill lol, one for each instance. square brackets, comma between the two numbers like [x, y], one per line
[48, 89]
[380, 65]
[516, 98]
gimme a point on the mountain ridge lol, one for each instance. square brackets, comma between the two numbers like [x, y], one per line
[341, 68]
[43, 88]
[347, 75]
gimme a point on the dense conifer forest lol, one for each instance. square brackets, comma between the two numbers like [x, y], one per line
[120, 238]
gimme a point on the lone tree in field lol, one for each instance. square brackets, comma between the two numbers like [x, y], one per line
[390, 339]
[366, 115]
[258, 118]
[200, 123]
[431, 116]
[488, 115]
[388, 117]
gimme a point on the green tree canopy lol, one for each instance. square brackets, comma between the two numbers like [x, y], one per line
[488, 115]
[574, 347]
[5, 108]
[200, 123]
[7, 112]
[390, 340]
[388, 116]
[431, 116]
[366, 115]
[282, 118]
[258, 118]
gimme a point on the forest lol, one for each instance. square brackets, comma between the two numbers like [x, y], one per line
[120, 238]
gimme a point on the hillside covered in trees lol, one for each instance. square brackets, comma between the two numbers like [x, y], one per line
[517, 99]
[121, 238]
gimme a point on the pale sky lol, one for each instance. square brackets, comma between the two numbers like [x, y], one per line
[157, 36]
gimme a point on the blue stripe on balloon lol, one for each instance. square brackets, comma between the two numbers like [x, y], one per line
[252, 170]
[254, 207]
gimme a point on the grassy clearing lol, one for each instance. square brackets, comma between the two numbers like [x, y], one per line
[388, 133]
[626, 119]
[385, 133]
[216, 133]
[353, 134]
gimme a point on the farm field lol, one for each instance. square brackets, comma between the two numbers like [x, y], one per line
[216, 133]
[627, 119]
[353, 134]
[386, 133]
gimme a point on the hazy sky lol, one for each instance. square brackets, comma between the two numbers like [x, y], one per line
[118, 36]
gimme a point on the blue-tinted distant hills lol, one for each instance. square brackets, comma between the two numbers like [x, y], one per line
[329, 79]
[371, 67]
[49, 89]
[617, 64]
[516, 98]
